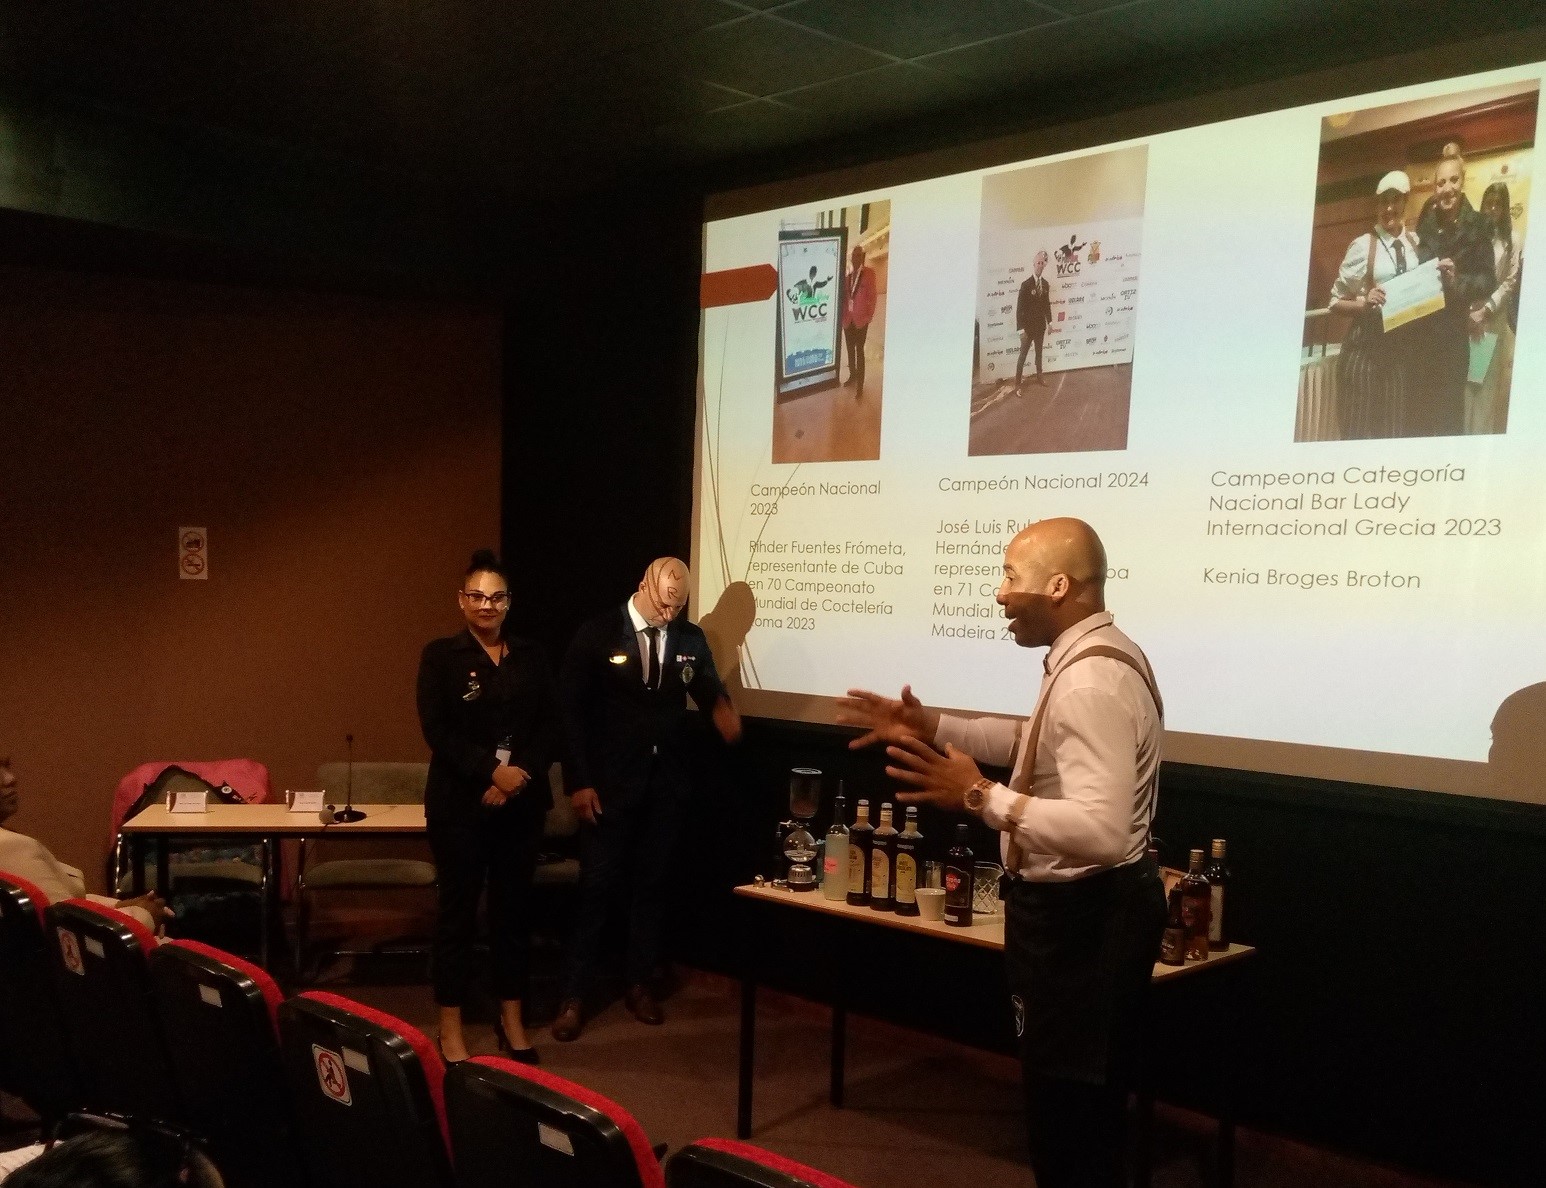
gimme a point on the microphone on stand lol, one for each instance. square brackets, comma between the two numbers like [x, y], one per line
[348, 813]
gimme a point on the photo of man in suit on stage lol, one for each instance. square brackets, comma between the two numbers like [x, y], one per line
[1033, 313]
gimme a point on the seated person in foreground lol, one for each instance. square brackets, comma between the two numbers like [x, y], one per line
[29, 859]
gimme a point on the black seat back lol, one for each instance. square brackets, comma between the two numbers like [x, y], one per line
[366, 1089]
[506, 1116]
[101, 967]
[35, 1060]
[724, 1163]
[220, 1017]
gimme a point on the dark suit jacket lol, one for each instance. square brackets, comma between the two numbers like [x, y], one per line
[1034, 308]
[467, 707]
[616, 730]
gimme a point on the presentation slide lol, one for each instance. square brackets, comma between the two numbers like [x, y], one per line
[1290, 368]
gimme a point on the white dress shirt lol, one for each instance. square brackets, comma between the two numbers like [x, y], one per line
[1090, 803]
[1355, 264]
[639, 624]
[27, 858]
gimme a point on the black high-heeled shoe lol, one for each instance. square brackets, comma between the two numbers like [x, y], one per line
[520, 1055]
[440, 1047]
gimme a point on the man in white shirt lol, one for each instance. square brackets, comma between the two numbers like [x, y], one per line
[30, 859]
[1085, 906]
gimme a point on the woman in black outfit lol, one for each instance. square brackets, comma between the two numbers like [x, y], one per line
[1451, 231]
[484, 706]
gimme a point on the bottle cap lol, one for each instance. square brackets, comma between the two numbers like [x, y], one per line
[1218, 847]
[963, 832]
[1196, 857]
[912, 810]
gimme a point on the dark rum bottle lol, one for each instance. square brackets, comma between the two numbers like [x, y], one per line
[909, 861]
[958, 880]
[883, 862]
[859, 840]
[1196, 907]
[1218, 878]
[1173, 939]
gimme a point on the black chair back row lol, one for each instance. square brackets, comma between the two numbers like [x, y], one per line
[314, 1089]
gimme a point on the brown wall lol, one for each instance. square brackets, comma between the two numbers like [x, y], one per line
[343, 454]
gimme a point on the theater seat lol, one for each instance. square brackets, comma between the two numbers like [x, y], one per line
[220, 1016]
[35, 1060]
[367, 1093]
[515, 1124]
[101, 968]
[724, 1163]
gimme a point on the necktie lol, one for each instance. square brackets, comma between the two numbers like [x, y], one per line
[1400, 257]
[652, 674]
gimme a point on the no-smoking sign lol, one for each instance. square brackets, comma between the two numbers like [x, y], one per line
[193, 554]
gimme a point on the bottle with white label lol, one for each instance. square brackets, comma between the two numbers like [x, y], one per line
[834, 873]
[883, 862]
[909, 860]
[1218, 878]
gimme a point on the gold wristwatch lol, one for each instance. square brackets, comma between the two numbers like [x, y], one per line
[977, 796]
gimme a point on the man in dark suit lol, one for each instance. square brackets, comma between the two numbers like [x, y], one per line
[623, 698]
[1033, 313]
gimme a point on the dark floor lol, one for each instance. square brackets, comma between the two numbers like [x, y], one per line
[1072, 412]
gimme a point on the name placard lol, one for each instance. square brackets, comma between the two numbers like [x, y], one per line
[308, 802]
[189, 802]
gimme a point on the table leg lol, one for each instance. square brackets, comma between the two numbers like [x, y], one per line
[164, 868]
[743, 1111]
[136, 865]
[839, 1045]
[1228, 1077]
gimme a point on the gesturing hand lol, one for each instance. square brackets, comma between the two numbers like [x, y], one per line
[885, 719]
[940, 779]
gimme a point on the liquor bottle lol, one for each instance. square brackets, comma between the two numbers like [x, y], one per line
[834, 871]
[1173, 939]
[958, 880]
[860, 838]
[909, 862]
[883, 862]
[1218, 877]
[1196, 902]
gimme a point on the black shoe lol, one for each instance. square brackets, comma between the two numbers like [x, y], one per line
[523, 1055]
[570, 1021]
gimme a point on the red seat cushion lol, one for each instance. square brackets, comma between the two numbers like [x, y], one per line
[272, 996]
[650, 1173]
[39, 900]
[778, 1163]
[428, 1054]
[145, 937]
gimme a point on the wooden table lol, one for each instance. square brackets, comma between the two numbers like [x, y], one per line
[986, 932]
[266, 824]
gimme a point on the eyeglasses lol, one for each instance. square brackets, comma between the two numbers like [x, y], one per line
[478, 598]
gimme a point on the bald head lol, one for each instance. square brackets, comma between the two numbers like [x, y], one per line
[663, 592]
[1054, 576]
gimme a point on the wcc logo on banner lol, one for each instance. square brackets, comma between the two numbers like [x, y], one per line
[810, 299]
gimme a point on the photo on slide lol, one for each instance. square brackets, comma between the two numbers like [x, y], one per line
[1057, 303]
[1416, 262]
[830, 334]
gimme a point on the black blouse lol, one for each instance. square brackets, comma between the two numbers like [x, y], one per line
[468, 708]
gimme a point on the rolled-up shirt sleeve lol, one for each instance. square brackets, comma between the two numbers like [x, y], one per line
[1091, 735]
[987, 740]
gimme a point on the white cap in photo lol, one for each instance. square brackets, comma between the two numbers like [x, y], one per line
[1394, 180]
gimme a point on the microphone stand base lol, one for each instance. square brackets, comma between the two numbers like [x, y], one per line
[344, 815]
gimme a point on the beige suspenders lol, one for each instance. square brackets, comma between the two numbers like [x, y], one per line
[1014, 855]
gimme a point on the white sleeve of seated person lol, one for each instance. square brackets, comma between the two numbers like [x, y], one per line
[1091, 736]
[30, 859]
[987, 740]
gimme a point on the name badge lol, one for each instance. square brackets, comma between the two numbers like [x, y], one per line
[503, 755]
[189, 802]
[307, 802]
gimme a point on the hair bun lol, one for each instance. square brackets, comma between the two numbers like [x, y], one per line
[1451, 149]
[483, 559]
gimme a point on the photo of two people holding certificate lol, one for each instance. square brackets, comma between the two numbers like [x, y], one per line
[1426, 297]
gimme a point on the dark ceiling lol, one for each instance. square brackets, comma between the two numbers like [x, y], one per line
[531, 98]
